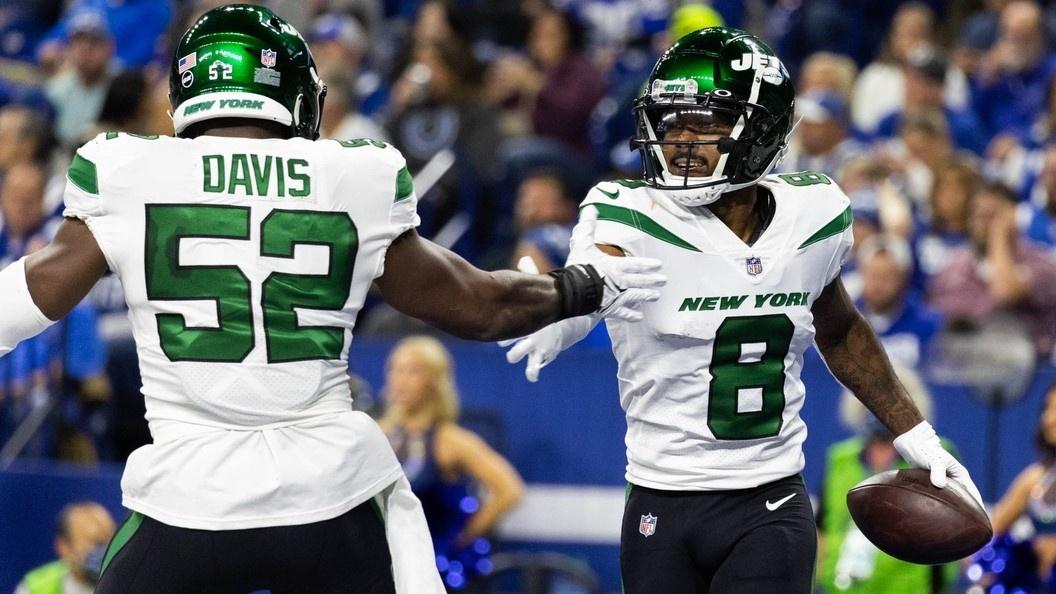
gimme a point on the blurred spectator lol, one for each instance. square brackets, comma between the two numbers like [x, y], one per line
[924, 76]
[945, 228]
[437, 113]
[341, 119]
[847, 561]
[25, 373]
[125, 106]
[84, 529]
[545, 214]
[1038, 215]
[559, 86]
[339, 46]
[137, 27]
[22, 204]
[25, 136]
[823, 142]
[440, 458]
[923, 146]
[1012, 83]
[999, 272]
[867, 180]
[24, 25]
[878, 90]
[978, 34]
[78, 92]
[32, 373]
[904, 325]
[828, 72]
[1031, 494]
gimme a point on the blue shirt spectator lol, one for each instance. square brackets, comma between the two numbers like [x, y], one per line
[824, 142]
[137, 25]
[25, 24]
[545, 213]
[944, 227]
[73, 346]
[924, 76]
[903, 324]
[965, 129]
[1011, 87]
[1037, 215]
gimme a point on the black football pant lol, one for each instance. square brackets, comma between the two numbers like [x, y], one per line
[347, 555]
[750, 541]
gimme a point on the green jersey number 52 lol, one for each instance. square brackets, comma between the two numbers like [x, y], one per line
[229, 288]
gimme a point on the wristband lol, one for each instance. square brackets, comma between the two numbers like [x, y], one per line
[580, 289]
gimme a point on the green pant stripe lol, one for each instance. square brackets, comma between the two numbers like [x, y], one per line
[376, 506]
[121, 538]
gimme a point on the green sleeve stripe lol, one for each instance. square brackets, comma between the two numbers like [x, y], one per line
[404, 184]
[631, 218]
[833, 227]
[124, 534]
[83, 175]
[631, 183]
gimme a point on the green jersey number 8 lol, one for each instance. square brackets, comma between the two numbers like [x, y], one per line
[757, 372]
[229, 288]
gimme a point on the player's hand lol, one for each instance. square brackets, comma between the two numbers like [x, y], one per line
[541, 347]
[920, 447]
[629, 281]
[545, 344]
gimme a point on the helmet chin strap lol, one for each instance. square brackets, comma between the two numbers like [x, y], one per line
[702, 196]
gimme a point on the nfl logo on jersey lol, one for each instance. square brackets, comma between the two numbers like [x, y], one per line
[754, 265]
[648, 525]
[268, 57]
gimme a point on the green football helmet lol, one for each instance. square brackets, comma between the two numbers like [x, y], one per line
[716, 75]
[243, 61]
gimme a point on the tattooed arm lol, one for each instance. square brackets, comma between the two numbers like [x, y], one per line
[856, 358]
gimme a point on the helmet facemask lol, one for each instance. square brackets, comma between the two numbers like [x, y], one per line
[656, 113]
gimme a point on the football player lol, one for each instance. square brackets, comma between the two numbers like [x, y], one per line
[710, 379]
[245, 250]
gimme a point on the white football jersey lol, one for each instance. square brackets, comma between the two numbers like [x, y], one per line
[710, 379]
[244, 264]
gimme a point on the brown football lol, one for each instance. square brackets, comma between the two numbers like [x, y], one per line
[905, 516]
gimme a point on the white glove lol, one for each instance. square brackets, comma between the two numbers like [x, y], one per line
[920, 447]
[629, 281]
[545, 344]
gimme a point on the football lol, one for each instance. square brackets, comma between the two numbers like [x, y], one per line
[905, 516]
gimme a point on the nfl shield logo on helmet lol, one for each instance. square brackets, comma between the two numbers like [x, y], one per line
[268, 58]
[648, 525]
[754, 265]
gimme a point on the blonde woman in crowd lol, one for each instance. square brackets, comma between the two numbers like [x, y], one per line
[443, 460]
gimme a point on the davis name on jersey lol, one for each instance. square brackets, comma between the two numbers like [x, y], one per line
[244, 264]
[710, 379]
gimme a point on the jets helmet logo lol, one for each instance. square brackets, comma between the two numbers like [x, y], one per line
[773, 71]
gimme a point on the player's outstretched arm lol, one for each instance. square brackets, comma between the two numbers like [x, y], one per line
[437, 286]
[856, 357]
[44, 286]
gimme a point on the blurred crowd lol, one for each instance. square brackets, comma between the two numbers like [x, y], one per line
[937, 117]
